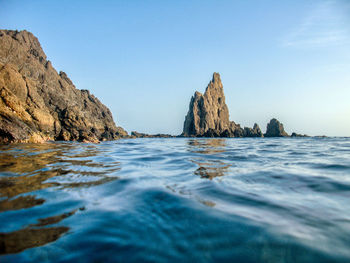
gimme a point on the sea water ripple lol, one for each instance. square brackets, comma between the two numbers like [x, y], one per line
[161, 200]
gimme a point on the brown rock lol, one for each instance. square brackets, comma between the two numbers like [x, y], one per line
[255, 132]
[294, 134]
[135, 134]
[208, 114]
[38, 104]
[275, 129]
[121, 132]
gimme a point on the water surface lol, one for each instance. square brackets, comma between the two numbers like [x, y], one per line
[188, 200]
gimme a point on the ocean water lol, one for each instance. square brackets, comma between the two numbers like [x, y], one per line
[176, 200]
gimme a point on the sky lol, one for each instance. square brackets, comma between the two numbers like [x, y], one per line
[145, 59]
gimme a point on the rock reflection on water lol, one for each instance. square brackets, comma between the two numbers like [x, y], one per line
[180, 190]
[29, 168]
[26, 168]
[209, 168]
[225, 200]
[11, 186]
[207, 146]
[33, 235]
[20, 203]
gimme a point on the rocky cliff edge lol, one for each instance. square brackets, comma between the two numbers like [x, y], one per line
[39, 104]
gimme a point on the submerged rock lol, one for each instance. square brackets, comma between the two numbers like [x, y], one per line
[38, 104]
[275, 129]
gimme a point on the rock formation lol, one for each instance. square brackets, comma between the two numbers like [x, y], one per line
[294, 134]
[208, 114]
[255, 132]
[38, 104]
[275, 129]
[135, 134]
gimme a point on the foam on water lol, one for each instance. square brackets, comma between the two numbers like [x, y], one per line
[194, 200]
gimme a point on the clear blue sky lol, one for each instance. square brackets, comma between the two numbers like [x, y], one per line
[145, 59]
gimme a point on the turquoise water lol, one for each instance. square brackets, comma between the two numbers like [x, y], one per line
[170, 200]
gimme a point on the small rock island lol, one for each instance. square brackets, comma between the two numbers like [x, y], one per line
[208, 116]
[275, 129]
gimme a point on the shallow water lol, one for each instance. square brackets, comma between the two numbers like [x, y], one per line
[188, 200]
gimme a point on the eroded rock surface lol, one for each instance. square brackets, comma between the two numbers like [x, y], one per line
[135, 134]
[294, 134]
[275, 129]
[208, 115]
[255, 132]
[38, 104]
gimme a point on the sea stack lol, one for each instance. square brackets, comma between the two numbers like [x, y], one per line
[208, 115]
[275, 129]
[38, 104]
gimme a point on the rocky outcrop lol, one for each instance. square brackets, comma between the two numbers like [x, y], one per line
[38, 104]
[135, 134]
[294, 134]
[121, 133]
[255, 132]
[275, 129]
[208, 115]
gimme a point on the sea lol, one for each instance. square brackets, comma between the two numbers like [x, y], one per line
[176, 200]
